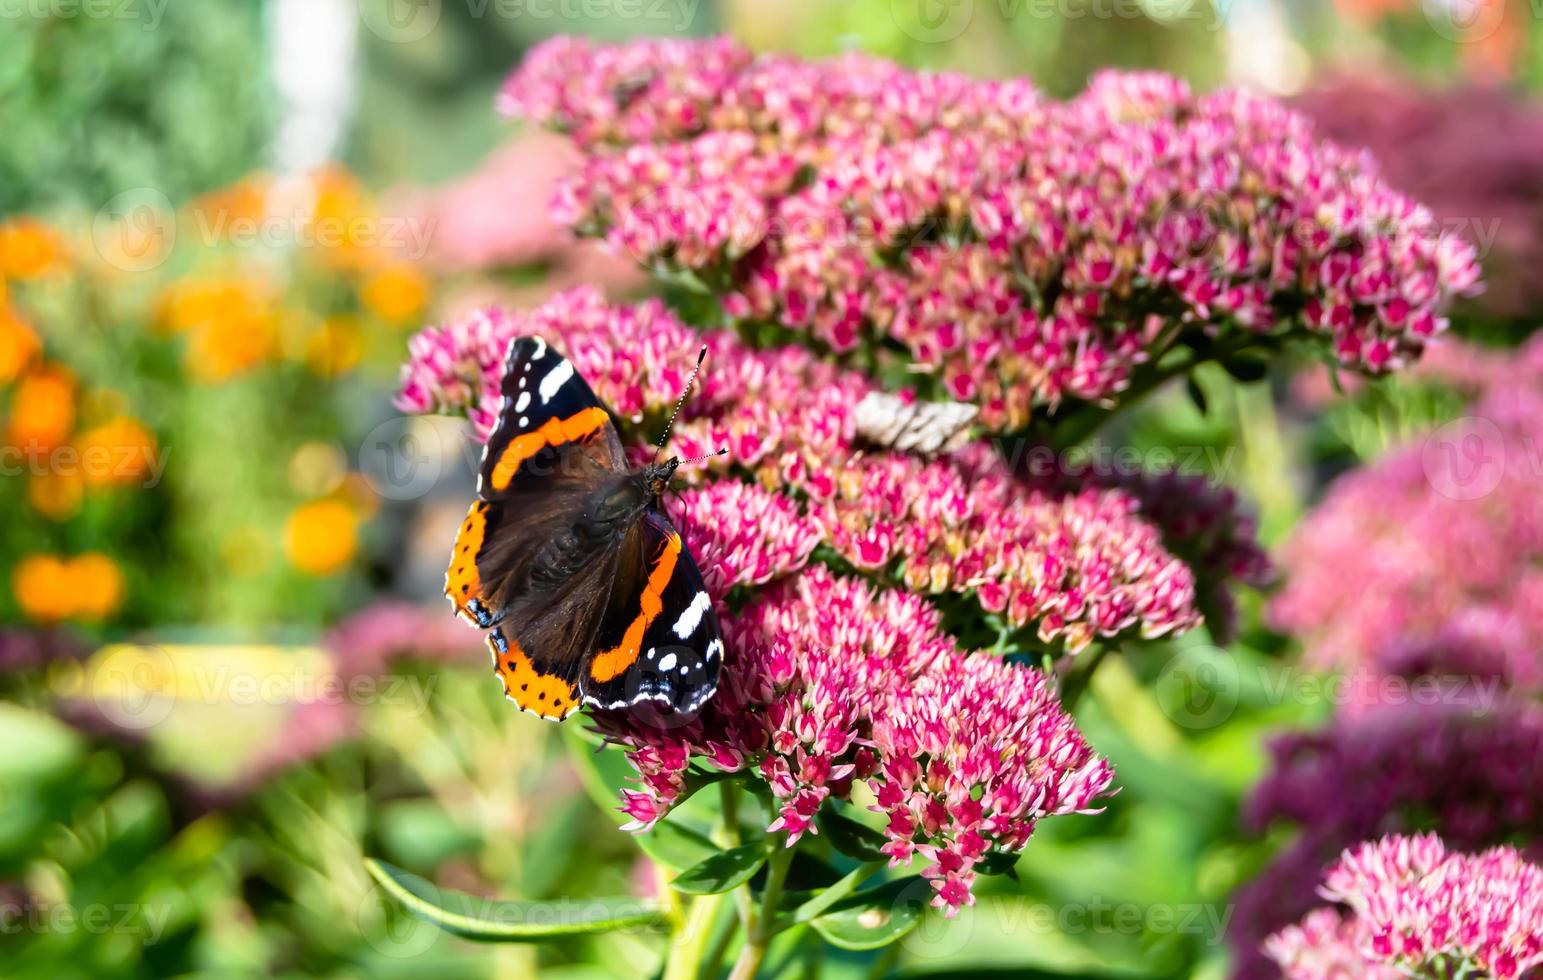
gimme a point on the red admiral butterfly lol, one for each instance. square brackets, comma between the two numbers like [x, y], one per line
[569, 561]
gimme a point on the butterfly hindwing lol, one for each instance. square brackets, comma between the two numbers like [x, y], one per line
[550, 631]
[553, 442]
[661, 642]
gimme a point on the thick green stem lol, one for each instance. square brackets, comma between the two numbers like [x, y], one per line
[763, 922]
[1080, 675]
[688, 947]
[743, 901]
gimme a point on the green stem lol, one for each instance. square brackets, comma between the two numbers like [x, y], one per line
[763, 922]
[743, 901]
[1081, 675]
[886, 962]
[821, 903]
[688, 946]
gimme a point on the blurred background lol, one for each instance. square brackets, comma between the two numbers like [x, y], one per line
[227, 670]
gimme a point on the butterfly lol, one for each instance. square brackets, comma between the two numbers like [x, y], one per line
[567, 559]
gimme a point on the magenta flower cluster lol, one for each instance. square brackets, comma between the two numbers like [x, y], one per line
[1472, 768]
[1416, 908]
[835, 681]
[1076, 563]
[1446, 537]
[1021, 251]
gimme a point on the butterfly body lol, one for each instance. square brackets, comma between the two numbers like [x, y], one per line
[569, 561]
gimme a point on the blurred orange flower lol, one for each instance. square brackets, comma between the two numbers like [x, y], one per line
[18, 345]
[49, 588]
[56, 495]
[342, 216]
[397, 293]
[321, 537]
[221, 349]
[29, 249]
[334, 348]
[194, 302]
[119, 452]
[42, 411]
[227, 209]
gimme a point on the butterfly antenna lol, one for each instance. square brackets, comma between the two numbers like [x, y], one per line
[701, 356]
[697, 459]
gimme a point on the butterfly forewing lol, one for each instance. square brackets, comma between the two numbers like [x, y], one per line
[553, 443]
[589, 594]
[666, 647]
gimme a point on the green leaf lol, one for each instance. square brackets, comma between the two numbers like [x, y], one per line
[851, 838]
[675, 846]
[1196, 394]
[723, 871]
[1246, 370]
[1000, 863]
[490, 920]
[876, 918]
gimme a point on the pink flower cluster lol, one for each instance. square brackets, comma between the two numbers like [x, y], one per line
[1445, 541]
[1022, 251]
[1475, 771]
[1416, 907]
[496, 217]
[831, 683]
[830, 680]
[1077, 562]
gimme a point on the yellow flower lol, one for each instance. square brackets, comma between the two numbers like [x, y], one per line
[42, 411]
[42, 586]
[233, 208]
[321, 537]
[56, 495]
[18, 344]
[29, 249]
[334, 348]
[119, 452]
[221, 349]
[98, 584]
[49, 588]
[397, 293]
[193, 303]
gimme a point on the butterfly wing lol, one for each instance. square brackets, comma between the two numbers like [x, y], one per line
[553, 443]
[540, 649]
[660, 641]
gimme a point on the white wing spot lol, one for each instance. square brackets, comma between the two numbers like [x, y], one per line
[540, 350]
[692, 617]
[523, 402]
[524, 421]
[714, 649]
[667, 663]
[555, 379]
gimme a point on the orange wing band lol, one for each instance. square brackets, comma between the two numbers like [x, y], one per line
[609, 663]
[580, 425]
[547, 695]
[462, 582]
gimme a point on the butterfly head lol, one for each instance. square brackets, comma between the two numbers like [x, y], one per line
[657, 476]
